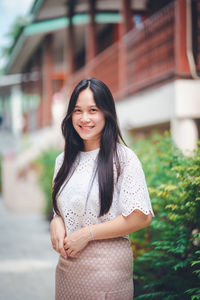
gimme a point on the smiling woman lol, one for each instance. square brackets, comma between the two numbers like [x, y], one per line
[99, 197]
[88, 120]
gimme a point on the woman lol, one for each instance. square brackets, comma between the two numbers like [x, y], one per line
[99, 197]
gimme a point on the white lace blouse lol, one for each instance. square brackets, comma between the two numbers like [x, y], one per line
[79, 208]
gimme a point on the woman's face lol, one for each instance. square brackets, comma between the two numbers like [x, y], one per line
[88, 120]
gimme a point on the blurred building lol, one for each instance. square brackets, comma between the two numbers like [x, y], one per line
[147, 51]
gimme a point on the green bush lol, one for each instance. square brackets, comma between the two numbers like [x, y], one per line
[167, 254]
[45, 164]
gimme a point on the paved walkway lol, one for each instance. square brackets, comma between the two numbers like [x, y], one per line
[27, 261]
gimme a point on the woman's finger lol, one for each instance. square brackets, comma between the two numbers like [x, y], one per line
[61, 248]
[69, 251]
[54, 243]
[72, 253]
[57, 233]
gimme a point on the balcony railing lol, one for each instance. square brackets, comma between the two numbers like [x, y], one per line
[105, 66]
[145, 57]
[150, 51]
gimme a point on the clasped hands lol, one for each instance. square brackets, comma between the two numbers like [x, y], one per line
[68, 245]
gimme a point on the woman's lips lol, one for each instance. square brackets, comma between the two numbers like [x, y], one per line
[86, 127]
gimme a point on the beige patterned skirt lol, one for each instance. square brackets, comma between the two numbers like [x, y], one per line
[103, 270]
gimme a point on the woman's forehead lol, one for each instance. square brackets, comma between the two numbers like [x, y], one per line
[85, 98]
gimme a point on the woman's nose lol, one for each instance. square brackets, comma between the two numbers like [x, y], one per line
[85, 117]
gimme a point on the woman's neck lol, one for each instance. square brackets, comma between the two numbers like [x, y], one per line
[91, 145]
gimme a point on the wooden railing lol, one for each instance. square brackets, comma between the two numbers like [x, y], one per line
[105, 67]
[145, 57]
[150, 51]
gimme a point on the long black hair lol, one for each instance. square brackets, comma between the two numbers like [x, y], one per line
[108, 143]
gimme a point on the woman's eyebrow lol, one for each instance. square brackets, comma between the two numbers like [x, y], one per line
[93, 105]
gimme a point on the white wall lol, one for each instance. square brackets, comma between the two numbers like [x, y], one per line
[147, 108]
[177, 102]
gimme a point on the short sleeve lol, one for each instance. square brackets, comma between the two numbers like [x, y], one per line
[133, 192]
[58, 163]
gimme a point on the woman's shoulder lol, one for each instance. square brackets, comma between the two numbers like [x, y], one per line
[59, 158]
[126, 154]
[58, 163]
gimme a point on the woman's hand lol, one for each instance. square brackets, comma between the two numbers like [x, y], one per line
[58, 233]
[77, 241]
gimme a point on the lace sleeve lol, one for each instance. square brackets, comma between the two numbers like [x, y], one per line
[58, 163]
[57, 166]
[132, 186]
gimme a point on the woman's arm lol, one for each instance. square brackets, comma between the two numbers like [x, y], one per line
[116, 227]
[121, 225]
[58, 233]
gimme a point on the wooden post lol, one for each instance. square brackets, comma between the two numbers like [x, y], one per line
[181, 61]
[41, 102]
[39, 88]
[127, 17]
[71, 49]
[127, 25]
[91, 46]
[47, 90]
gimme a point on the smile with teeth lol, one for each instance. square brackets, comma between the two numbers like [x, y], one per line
[86, 127]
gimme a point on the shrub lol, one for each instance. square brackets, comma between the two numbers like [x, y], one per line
[167, 254]
[45, 164]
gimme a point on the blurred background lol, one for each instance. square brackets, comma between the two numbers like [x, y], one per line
[148, 53]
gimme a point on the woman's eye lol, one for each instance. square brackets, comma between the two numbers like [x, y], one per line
[93, 109]
[77, 110]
